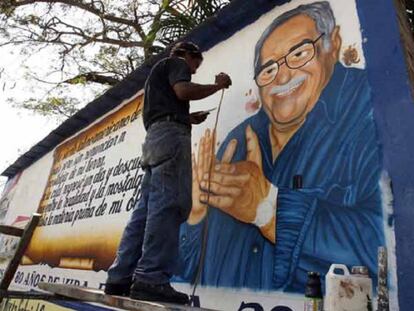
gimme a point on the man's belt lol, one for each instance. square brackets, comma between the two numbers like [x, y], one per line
[170, 118]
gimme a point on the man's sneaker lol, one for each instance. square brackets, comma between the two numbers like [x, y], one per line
[117, 289]
[157, 292]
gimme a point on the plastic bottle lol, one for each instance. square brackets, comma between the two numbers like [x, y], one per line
[362, 271]
[348, 292]
[313, 293]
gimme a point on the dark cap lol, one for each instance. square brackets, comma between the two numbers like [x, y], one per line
[183, 47]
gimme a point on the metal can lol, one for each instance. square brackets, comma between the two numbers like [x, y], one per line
[360, 271]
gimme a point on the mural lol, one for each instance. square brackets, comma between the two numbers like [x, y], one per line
[295, 180]
[95, 179]
[7, 196]
[8, 244]
[316, 122]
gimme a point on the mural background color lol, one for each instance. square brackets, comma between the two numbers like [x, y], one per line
[393, 110]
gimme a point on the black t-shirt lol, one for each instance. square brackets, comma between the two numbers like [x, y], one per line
[159, 98]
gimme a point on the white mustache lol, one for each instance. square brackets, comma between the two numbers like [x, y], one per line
[294, 83]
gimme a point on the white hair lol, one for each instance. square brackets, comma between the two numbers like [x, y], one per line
[320, 12]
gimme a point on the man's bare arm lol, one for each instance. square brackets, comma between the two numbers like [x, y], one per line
[194, 91]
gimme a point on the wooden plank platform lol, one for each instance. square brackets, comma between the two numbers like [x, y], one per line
[98, 296]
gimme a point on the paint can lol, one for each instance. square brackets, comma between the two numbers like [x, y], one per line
[346, 291]
[313, 293]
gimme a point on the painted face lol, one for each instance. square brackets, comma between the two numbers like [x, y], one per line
[193, 62]
[294, 92]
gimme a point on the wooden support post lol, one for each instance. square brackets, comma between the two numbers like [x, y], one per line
[9, 230]
[21, 248]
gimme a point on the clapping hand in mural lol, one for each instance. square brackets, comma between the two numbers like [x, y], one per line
[238, 188]
[235, 188]
[201, 166]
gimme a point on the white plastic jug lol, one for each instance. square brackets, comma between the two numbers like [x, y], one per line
[347, 292]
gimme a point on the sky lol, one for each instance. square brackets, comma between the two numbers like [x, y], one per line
[19, 129]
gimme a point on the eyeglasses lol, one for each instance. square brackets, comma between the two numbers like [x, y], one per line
[299, 55]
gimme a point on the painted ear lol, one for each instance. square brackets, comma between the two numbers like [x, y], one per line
[336, 42]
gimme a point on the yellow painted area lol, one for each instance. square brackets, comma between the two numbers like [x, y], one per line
[97, 132]
[80, 246]
[29, 305]
[100, 130]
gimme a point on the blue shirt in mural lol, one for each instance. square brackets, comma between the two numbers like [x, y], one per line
[335, 218]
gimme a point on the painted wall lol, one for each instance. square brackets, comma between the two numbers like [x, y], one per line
[328, 115]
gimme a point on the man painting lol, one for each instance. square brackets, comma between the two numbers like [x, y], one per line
[148, 251]
[316, 121]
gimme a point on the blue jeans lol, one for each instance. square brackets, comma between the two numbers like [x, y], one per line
[149, 246]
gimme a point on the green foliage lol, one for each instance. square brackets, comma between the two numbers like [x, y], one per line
[51, 106]
[6, 7]
[176, 23]
[91, 42]
[77, 80]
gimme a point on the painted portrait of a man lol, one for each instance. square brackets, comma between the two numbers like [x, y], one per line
[315, 121]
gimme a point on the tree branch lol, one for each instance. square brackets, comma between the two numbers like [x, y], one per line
[88, 8]
[92, 77]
